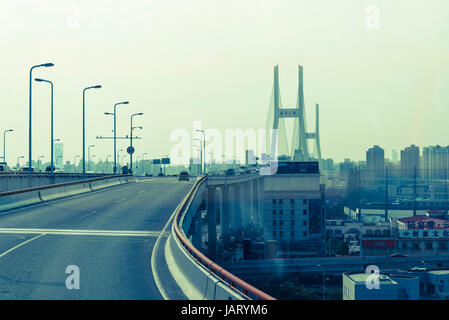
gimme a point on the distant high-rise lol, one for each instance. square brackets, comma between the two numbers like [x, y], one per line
[410, 161]
[435, 162]
[394, 156]
[375, 162]
[59, 155]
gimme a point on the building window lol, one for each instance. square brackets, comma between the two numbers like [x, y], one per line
[281, 223]
[404, 245]
[304, 201]
[281, 201]
[281, 212]
[304, 233]
[274, 201]
[274, 212]
[292, 222]
[292, 212]
[415, 245]
[304, 223]
[429, 246]
[274, 222]
[292, 201]
[274, 234]
[292, 234]
[304, 212]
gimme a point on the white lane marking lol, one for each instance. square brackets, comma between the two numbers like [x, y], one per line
[141, 191]
[71, 232]
[86, 215]
[21, 244]
[118, 201]
[153, 256]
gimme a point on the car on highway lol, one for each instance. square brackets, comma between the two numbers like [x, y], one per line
[183, 175]
[398, 255]
[26, 169]
[4, 167]
[230, 172]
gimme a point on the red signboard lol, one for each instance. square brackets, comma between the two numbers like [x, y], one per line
[379, 243]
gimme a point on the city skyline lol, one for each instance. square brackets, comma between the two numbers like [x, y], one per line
[372, 89]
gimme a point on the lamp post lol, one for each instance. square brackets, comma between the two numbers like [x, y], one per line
[115, 133]
[84, 127]
[46, 65]
[74, 163]
[18, 164]
[201, 155]
[38, 166]
[88, 156]
[93, 156]
[199, 152]
[51, 124]
[204, 148]
[4, 143]
[131, 140]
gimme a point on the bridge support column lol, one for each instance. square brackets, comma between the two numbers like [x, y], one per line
[211, 223]
[260, 212]
[196, 234]
[224, 210]
[243, 203]
[237, 211]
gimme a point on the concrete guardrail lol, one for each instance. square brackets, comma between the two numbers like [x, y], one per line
[198, 276]
[24, 197]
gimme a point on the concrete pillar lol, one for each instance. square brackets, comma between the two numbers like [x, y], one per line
[260, 207]
[211, 223]
[237, 223]
[224, 210]
[244, 195]
[196, 235]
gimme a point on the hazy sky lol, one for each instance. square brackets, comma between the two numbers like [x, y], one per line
[378, 81]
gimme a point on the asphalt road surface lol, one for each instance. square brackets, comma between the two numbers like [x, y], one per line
[109, 235]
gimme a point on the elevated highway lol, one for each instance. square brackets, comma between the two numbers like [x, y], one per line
[116, 236]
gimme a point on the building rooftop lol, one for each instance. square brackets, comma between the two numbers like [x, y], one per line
[439, 272]
[361, 278]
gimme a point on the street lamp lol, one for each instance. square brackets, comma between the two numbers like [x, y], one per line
[4, 143]
[84, 127]
[93, 156]
[18, 164]
[74, 163]
[38, 166]
[204, 148]
[131, 138]
[115, 133]
[88, 156]
[51, 123]
[201, 155]
[199, 152]
[46, 65]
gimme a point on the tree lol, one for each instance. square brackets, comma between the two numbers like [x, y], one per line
[343, 249]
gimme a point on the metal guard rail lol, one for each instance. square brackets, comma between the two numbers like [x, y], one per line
[231, 280]
[56, 185]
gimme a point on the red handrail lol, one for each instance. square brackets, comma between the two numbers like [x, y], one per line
[230, 279]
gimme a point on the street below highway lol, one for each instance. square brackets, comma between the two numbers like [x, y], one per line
[110, 235]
